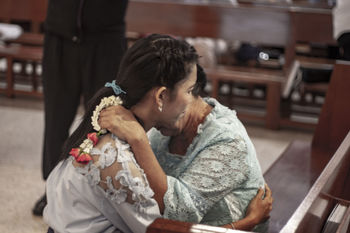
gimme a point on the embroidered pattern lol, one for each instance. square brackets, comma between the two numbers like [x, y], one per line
[212, 175]
[119, 157]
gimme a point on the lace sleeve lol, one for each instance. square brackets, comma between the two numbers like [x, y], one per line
[214, 172]
[116, 171]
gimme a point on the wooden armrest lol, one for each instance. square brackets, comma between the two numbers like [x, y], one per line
[161, 225]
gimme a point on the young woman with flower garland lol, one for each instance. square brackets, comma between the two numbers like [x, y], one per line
[98, 186]
[209, 160]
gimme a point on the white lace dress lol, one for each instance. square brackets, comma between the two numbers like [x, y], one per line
[110, 194]
[215, 180]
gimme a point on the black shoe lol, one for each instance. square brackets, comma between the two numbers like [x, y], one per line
[39, 206]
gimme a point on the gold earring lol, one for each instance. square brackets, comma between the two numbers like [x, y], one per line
[160, 108]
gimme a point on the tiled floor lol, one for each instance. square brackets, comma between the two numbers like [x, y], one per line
[21, 124]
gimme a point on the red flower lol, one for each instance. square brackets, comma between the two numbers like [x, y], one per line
[93, 137]
[75, 152]
[84, 158]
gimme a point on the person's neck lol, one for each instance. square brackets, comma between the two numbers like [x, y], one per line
[198, 111]
[143, 115]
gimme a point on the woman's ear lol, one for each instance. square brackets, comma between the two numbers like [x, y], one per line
[160, 97]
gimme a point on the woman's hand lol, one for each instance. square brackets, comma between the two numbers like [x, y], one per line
[258, 211]
[122, 123]
[260, 206]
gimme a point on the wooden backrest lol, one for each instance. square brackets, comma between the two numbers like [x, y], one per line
[5, 8]
[331, 187]
[313, 26]
[211, 19]
[33, 11]
[162, 225]
[334, 120]
[309, 26]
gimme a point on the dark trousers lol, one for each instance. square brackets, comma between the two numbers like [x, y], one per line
[70, 71]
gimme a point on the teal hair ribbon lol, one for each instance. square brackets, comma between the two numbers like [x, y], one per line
[117, 90]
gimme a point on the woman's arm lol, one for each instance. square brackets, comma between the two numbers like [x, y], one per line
[148, 162]
[123, 124]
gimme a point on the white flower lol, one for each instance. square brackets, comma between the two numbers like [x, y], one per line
[87, 146]
[105, 102]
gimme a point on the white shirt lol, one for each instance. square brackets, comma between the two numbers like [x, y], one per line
[110, 194]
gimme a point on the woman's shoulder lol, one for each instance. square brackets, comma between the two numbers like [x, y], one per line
[109, 152]
[221, 121]
[115, 169]
[104, 152]
[220, 116]
[222, 127]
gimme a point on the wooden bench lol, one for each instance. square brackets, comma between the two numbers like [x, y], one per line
[25, 50]
[162, 225]
[25, 11]
[308, 27]
[25, 54]
[331, 188]
[295, 172]
[271, 79]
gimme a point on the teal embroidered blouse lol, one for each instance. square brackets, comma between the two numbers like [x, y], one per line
[218, 176]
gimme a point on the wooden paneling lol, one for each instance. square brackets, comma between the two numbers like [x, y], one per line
[210, 20]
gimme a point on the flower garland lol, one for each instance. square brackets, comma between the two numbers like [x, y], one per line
[82, 154]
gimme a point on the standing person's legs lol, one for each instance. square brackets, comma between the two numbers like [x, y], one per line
[100, 63]
[62, 88]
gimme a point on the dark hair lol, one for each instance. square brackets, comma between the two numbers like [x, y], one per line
[156, 60]
[201, 82]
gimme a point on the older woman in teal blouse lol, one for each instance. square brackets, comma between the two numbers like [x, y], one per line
[219, 166]
[205, 168]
